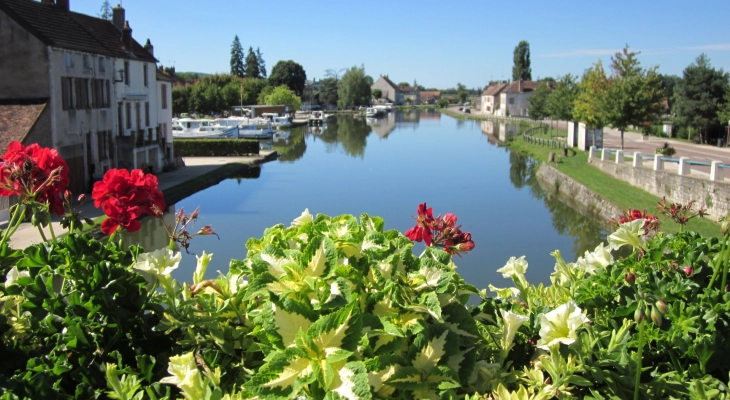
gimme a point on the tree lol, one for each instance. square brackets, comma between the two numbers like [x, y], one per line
[290, 74]
[283, 95]
[403, 84]
[252, 88]
[354, 88]
[697, 96]
[442, 103]
[261, 62]
[264, 93]
[252, 64]
[669, 82]
[723, 110]
[180, 96]
[561, 103]
[521, 68]
[589, 103]
[328, 91]
[461, 92]
[538, 102]
[106, 11]
[634, 94]
[237, 67]
[377, 94]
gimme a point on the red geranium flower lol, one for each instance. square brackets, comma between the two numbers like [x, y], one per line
[125, 196]
[440, 231]
[34, 173]
[424, 222]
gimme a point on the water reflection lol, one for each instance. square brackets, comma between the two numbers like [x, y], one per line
[152, 234]
[568, 218]
[499, 130]
[350, 133]
[293, 147]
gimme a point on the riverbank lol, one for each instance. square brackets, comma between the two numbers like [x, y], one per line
[197, 174]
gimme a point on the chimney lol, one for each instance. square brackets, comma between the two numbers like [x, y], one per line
[519, 88]
[149, 48]
[118, 17]
[127, 36]
[64, 5]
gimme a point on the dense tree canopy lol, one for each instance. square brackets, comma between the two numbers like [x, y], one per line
[282, 95]
[261, 62]
[328, 91]
[561, 103]
[521, 68]
[634, 94]
[237, 67]
[698, 95]
[589, 103]
[252, 65]
[290, 74]
[354, 88]
[538, 102]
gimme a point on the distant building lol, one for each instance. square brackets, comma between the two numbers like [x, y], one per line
[410, 95]
[430, 96]
[508, 99]
[93, 86]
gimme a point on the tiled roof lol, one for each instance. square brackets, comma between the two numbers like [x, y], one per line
[494, 89]
[161, 76]
[389, 81]
[527, 86]
[54, 26]
[16, 121]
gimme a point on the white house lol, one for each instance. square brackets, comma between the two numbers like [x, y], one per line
[164, 114]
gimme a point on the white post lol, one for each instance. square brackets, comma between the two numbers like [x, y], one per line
[619, 157]
[604, 154]
[716, 173]
[590, 152]
[684, 168]
[637, 160]
[658, 162]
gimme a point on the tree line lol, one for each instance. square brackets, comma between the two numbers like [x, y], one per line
[630, 95]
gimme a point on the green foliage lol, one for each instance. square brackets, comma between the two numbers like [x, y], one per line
[328, 91]
[723, 109]
[238, 68]
[252, 65]
[666, 150]
[442, 103]
[377, 93]
[282, 95]
[538, 102]
[589, 106]
[180, 99]
[521, 68]
[633, 95]
[76, 307]
[290, 74]
[561, 102]
[261, 63]
[215, 147]
[699, 94]
[106, 11]
[354, 88]
[461, 93]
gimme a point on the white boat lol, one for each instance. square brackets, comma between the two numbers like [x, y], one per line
[276, 121]
[252, 131]
[389, 106]
[317, 118]
[371, 112]
[381, 109]
[188, 128]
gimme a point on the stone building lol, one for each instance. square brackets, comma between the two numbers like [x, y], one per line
[92, 86]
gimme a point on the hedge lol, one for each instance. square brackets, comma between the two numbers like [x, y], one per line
[215, 147]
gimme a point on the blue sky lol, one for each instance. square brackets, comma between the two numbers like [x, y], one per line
[437, 43]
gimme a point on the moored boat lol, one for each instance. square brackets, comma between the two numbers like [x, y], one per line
[188, 128]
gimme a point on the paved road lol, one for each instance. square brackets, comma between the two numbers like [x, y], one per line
[194, 167]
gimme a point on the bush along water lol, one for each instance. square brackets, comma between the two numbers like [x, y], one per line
[339, 307]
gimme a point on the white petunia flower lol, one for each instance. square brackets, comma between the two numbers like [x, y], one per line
[600, 258]
[514, 267]
[511, 323]
[13, 275]
[202, 266]
[504, 293]
[185, 375]
[561, 325]
[158, 264]
[302, 219]
[628, 233]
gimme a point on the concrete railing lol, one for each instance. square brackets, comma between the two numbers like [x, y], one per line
[684, 164]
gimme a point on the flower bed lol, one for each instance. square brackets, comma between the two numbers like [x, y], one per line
[338, 307]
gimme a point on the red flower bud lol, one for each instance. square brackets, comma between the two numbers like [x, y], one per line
[661, 305]
[688, 270]
[450, 219]
[630, 278]
[82, 198]
[206, 230]
[656, 317]
[639, 315]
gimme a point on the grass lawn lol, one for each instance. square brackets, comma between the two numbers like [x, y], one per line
[618, 192]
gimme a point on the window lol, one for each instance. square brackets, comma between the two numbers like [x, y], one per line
[67, 94]
[87, 62]
[126, 73]
[163, 96]
[512, 100]
[128, 114]
[82, 94]
[69, 60]
[102, 65]
[102, 145]
[147, 113]
[146, 78]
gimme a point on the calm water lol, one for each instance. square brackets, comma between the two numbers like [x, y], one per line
[386, 167]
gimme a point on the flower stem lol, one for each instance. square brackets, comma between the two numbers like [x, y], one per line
[50, 228]
[724, 270]
[43, 235]
[720, 261]
[638, 360]
[13, 225]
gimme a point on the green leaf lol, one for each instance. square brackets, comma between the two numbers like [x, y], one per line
[352, 382]
[331, 333]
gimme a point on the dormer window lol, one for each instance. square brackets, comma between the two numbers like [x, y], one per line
[69, 60]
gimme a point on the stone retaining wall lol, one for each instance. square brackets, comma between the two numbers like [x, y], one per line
[715, 195]
[575, 194]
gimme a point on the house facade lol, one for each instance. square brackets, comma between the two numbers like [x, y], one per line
[91, 77]
[491, 98]
[410, 95]
[391, 92]
[514, 99]
[164, 114]
[429, 96]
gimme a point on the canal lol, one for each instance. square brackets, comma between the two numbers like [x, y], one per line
[385, 167]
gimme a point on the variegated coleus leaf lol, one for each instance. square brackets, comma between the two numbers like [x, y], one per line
[319, 256]
[374, 242]
[283, 319]
[339, 330]
[350, 382]
[431, 276]
[284, 375]
[371, 223]
[432, 347]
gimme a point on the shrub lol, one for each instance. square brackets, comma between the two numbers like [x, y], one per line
[215, 147]
[666, 150]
